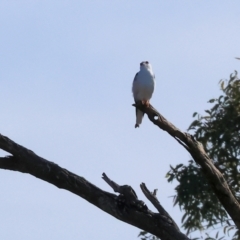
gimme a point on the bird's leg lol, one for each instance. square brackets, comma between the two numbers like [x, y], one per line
[147, 103]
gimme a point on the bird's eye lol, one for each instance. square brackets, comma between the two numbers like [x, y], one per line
[146, 62]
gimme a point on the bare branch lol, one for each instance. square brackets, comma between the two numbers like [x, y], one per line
[212, 174]
[130, 197]
[111, 183]
[125, 207]
[152, 197]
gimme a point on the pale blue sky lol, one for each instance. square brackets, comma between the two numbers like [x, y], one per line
[66, 74]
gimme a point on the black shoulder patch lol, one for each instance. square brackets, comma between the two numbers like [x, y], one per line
[135, 77]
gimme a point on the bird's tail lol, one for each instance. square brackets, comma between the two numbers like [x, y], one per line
[139, 117]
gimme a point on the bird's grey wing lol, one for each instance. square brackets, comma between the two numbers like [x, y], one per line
[154, 82]
[135, 87]
[135, 90]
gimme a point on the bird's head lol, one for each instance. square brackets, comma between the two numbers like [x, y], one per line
[145, 65]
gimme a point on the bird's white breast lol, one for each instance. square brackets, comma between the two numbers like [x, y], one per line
[144, 85]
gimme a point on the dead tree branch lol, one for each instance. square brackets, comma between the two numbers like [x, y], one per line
[213, 175]
[126, 206]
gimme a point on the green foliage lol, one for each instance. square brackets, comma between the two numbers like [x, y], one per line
[219, 133]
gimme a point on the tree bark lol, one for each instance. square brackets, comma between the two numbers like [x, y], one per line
[125, 206]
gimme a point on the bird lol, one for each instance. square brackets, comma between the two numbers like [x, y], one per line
[142, 88]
